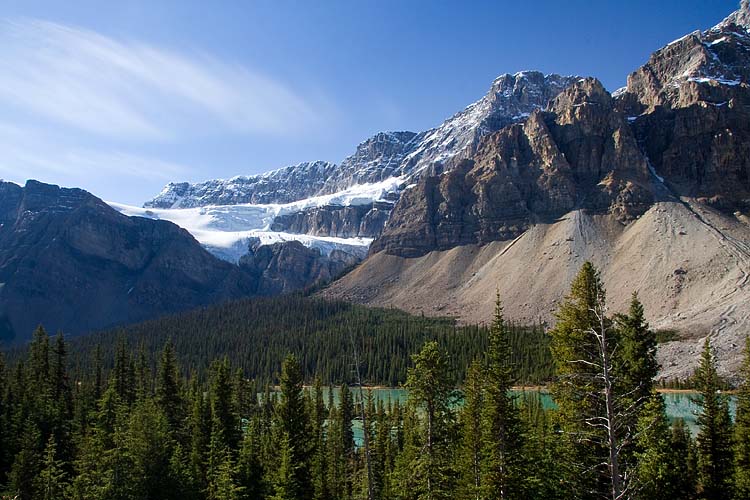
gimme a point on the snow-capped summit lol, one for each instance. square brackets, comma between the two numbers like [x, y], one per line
[284, 185]
[385, 155]
[702, 66]
[511, 98]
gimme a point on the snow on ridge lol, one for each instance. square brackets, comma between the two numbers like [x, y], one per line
[227, 230]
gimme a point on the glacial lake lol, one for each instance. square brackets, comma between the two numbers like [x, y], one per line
[679, 404]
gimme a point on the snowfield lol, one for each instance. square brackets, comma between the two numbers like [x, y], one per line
[227, 230]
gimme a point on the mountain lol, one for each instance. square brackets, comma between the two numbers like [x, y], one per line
[651, 184]
[284, 185]
[349, 204]
[71, 262]
[579, 153]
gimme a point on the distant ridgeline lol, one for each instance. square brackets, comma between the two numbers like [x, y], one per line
[256, 334]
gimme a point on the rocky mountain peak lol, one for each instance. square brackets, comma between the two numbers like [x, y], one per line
[739, 19]
[585, 91]
[702, 66]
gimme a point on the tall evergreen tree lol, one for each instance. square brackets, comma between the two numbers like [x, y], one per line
[585, 390]
[294, 478]
[431, 389]
[714, 441]
[658, 473]
[225, 420]
[470, 466]
[502, 434]
[168, 390]
[742, 430]
[51, 483]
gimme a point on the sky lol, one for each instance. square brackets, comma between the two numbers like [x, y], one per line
[120, 98]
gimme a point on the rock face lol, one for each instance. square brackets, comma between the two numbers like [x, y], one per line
[342, 222]
[511, 99]
[406, 155]
[579, 154]
[284, 185]
[651, 184]
[690, 106]
[375, 159]
[289, 266]
[70, 262]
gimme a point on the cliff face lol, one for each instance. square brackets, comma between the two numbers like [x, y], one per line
[690, 108]
[403, 155]
[580, 153]
[70, 262]
[289, 266]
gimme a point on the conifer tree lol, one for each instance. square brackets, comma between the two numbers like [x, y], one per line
[225, 421]
[583, 343]
[250, 470]
[431, 389]
[51, 483]
[294, 478]
[502, 433]
[714, 441]
[658, 473]
[742, 430]
[168, 388]
[470, 466]
[685, 465]
[26, 466]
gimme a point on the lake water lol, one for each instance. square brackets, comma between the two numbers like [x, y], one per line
[678, 404]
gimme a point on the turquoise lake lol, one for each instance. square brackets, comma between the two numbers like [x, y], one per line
[679, 404]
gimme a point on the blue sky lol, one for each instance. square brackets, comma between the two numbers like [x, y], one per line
[121, 99]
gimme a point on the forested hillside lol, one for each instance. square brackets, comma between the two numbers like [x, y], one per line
[133, 432]
[256, 334]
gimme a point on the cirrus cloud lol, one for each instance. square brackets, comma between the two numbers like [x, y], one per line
[133, 90]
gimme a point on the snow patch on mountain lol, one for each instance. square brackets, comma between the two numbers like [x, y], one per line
[228, 230]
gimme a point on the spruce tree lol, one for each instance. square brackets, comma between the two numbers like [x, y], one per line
[658, 473]
[430, 388]
[52, 479]
[294, 478]
[470, 463]
[714, 441]
[168, 388]
[585, 390]
[26, 466]
[502, 433]
[742, 430]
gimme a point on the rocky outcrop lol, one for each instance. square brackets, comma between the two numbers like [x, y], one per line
[690, 108]
[284, 185]
[70, 262]
[288, 266]
[365, 221]
[374, 160]
[579, 154]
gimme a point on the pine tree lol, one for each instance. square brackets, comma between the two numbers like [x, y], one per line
[149, 449]
[742, 430]
[685, 464]
[319, 465]
[223, 405]
[182, 483]
[502, 433]
[430, 388]
[714, 441]
[250, 470]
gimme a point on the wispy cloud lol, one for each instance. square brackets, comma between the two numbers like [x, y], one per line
[132, 90]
